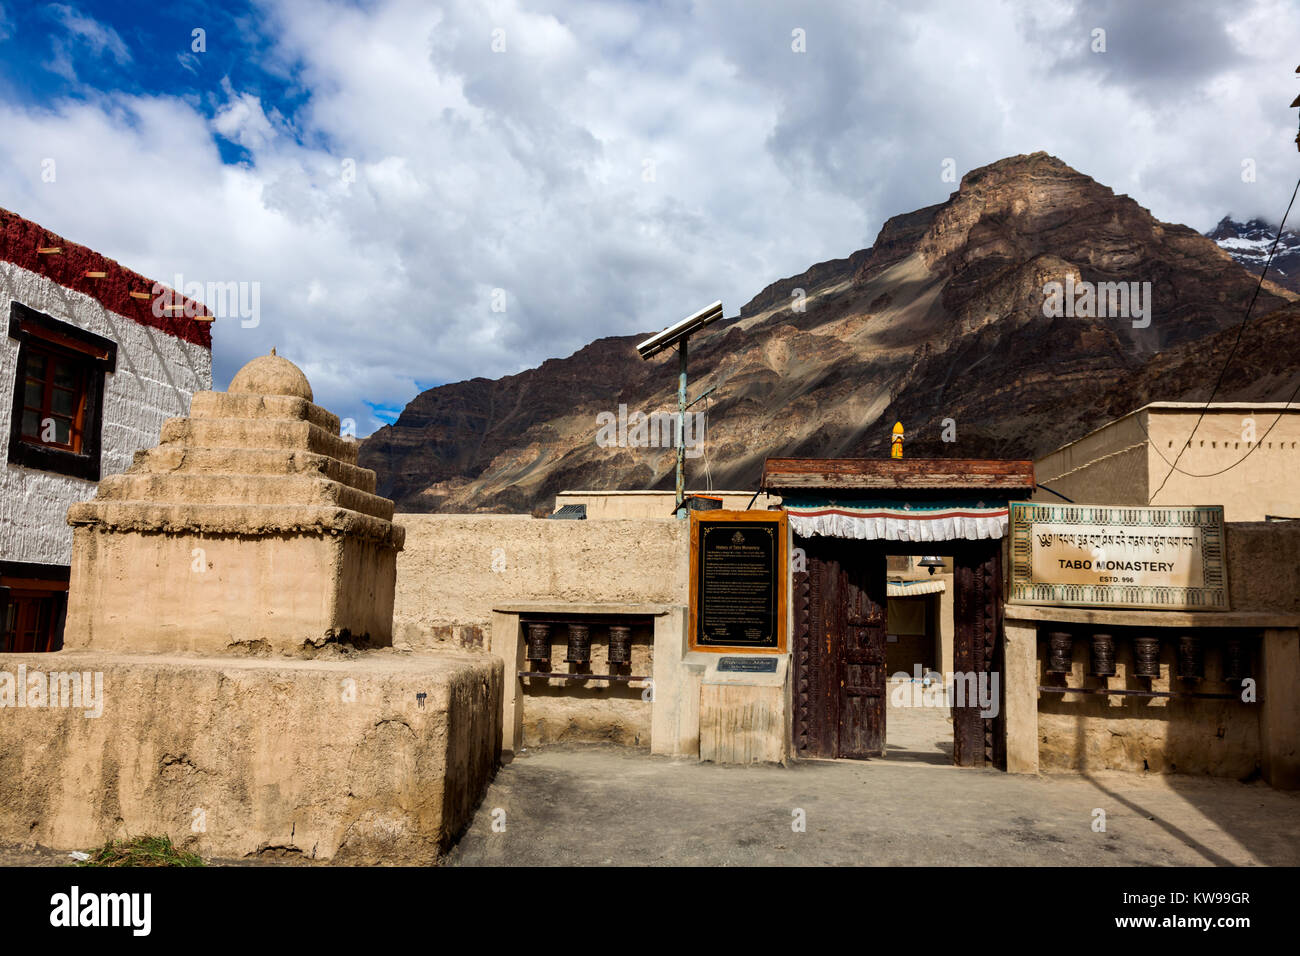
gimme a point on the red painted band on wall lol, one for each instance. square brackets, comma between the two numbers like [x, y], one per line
[20, 239]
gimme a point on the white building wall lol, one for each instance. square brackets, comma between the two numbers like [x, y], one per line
[156, 376]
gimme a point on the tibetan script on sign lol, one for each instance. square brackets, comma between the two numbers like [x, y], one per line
[738, 580]
[1110, 556]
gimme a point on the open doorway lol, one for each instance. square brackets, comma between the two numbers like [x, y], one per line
[918, 657]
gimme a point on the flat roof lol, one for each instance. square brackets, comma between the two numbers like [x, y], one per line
[895, 474]
[1215, 406]
[648, 491]
[1181, 407]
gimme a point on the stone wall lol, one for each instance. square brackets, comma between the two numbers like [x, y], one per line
[157, 374]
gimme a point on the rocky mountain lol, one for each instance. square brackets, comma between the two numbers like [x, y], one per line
[995, 319]
[1249, 243]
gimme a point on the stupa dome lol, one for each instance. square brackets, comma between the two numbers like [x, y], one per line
[271, 375]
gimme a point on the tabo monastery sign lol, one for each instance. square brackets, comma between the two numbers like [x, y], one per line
[1093, 556]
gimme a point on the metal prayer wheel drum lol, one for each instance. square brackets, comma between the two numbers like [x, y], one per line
[1060, 652]
[579, 644]
[1146, 656]
[539, 642]
[1103, 655]
[620, 644]
[1235, 663]
[1191, 657]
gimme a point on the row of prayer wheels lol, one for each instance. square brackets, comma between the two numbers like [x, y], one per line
[579, 643]
[1146, 655]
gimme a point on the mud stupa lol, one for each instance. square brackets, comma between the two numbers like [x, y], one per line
[249, 528]
[205, 582]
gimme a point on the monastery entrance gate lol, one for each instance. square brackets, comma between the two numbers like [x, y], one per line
[840, 676]
[847, 517]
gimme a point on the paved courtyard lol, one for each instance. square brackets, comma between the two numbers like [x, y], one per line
[605, 805]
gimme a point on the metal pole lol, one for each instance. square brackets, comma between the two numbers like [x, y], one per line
[681, 429]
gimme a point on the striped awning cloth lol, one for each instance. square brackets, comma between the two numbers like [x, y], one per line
[915, 588]
[893, 520]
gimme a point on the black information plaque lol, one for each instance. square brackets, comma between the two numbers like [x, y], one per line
[737, 584]
[747, 665]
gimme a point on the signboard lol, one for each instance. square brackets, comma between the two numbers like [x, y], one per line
[747, 665]
[738, 580]
[1114, 556]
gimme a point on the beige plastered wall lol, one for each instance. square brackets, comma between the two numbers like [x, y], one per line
[1230, 738]
[604, 505]
[1265, 483]
[1118, 465]
[456, 570]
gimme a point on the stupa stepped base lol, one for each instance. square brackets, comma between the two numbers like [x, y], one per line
[230, 579]
[257, 433]
[219, 489]
[168, 459]
[379, 758]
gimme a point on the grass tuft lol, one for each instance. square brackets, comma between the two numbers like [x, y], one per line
[142, 851]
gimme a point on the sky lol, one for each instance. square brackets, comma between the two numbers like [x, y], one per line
[410, 193]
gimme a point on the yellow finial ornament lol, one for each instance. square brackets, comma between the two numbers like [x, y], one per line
[896, 441]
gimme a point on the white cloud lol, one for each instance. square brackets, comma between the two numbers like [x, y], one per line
[526, 170]
[85, 33]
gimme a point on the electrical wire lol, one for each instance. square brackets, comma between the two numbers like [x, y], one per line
[1224, 371]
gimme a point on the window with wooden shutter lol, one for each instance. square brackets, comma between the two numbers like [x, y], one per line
[33, 606]
[58, 394]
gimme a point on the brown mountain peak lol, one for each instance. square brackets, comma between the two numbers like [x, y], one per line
[942, 319]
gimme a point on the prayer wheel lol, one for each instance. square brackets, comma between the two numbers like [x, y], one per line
[1060, 655]
[1146, 656]
[539, 642]
[1191, 659]
[579, 644]
[1103, 655]
[620, 644]
[1236, 664]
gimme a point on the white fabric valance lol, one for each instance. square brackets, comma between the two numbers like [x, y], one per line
[932, 522]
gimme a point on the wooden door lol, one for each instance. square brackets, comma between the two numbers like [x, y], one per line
[816, 682]
[839, 652]
[862, 678]
[977, 623]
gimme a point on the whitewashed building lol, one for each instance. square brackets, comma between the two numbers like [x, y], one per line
[90, 367]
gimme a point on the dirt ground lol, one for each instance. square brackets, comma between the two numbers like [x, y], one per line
[596, 805]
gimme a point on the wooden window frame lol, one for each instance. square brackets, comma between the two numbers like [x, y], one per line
[22, 584]
[96, 358]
